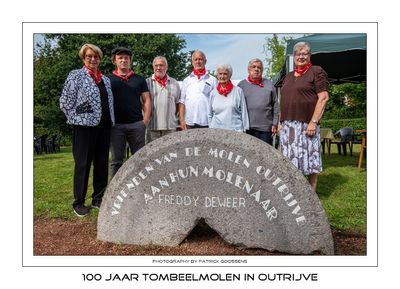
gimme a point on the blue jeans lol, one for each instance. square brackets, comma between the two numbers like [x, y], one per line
[262, 135]
[133, 133]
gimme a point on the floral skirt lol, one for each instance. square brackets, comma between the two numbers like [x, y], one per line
[302, 150]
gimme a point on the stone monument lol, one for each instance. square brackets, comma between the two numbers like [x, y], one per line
[243, 188]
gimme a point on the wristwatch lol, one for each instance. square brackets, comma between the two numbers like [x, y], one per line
[315, 121]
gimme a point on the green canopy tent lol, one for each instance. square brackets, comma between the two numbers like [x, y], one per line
[342, 56]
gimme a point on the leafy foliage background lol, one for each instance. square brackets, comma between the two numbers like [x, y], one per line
[58, 55]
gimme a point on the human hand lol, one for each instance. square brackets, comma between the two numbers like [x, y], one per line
[311, 129]
[274, 130]
[278, 129]
[182, 125]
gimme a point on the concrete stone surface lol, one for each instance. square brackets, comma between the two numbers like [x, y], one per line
[243, 188]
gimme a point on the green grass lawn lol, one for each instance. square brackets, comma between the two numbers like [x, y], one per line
[341, 188]
[342, 191]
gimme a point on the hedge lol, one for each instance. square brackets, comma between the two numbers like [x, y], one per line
[336, 124]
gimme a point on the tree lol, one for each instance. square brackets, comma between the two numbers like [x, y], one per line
[275, 51]
[347, 100]
[58, 55]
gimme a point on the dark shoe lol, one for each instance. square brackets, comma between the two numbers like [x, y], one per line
[96, 205]
[81, 211]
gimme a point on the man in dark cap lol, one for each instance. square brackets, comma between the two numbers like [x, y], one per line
[131, 97]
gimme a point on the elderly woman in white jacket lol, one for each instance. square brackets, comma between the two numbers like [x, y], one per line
[87, 102]
[227, 103]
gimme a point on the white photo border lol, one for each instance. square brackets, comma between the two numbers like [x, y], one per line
[31, 28]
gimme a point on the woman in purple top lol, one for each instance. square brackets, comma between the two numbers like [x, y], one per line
[304, 95]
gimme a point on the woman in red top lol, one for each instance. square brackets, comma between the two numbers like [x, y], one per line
[304, 95]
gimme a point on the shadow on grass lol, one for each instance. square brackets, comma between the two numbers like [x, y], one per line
[48, 157]
[53, 156]
[327, 184]
[335, 160]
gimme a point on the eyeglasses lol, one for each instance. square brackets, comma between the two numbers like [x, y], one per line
[302, 54]
[91, 56]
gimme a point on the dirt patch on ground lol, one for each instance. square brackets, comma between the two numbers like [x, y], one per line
[78, 237]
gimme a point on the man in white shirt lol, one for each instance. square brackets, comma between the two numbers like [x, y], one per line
[196, 89]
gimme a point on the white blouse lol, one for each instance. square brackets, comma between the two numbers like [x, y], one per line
[228, 112]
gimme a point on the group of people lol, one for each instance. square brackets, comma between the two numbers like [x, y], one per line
[123, 107]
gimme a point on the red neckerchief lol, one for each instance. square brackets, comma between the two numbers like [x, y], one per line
[96, 77]
[225, 90]
[123, 77]
[199, 72]
[256, 82]
[161, 81]
[301, 71]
